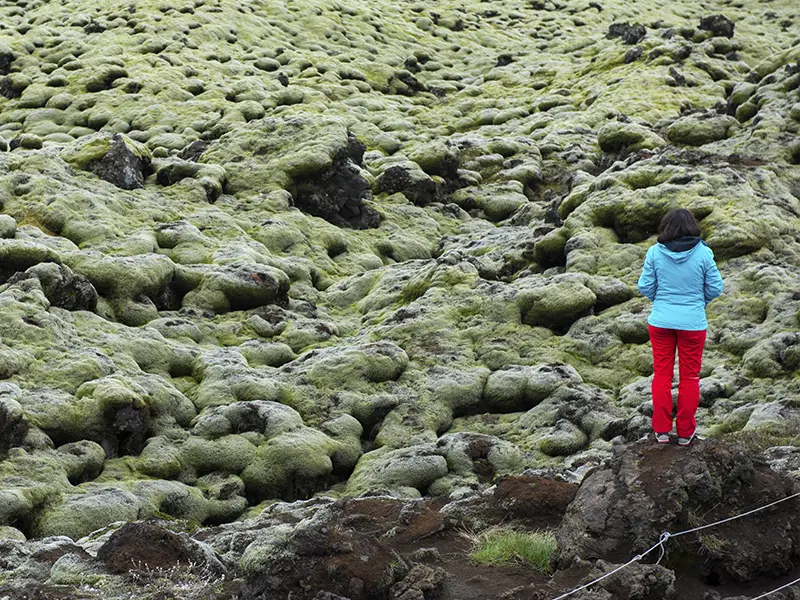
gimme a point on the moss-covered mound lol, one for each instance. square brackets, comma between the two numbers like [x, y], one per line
[263, 250]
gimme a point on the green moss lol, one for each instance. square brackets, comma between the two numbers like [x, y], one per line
[228, 454]
[78, 514]
[91, 149]
[291, 466]
[696, 131]
[556, 305]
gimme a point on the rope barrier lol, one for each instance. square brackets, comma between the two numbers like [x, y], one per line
[666, 535]
[636, 558]
[750, 512]
[777, 589]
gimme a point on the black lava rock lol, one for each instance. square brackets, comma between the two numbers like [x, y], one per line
[630, 34]
[337, 194]
[719, 25]
[121, 166]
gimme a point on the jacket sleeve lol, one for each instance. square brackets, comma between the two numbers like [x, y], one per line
[648, 284]
[713, 280]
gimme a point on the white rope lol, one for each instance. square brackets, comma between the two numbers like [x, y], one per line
[777, 589]
[666, 535]
[636, 558]
[755, 510]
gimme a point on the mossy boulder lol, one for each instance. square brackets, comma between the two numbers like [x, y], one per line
[555, 305]
[104, 76]
[516, 388]
[19, 255]
[8, 227]
[62, 287]
[82, 461]
[776, 356]
[131, 284]
[75, 569]
[80, 513]
[564, 439]
[11, 533]
[699, 130]
[211, 178]
[233, 287]
[291, 466]
[271, 153]
[371, 363]
[114, 158]
[112, 411]
[614, 137]
[405, 471]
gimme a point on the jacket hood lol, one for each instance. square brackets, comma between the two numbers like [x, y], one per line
[680, 249]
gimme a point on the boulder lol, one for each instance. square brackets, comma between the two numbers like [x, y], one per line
[622, 509]
[337, 194]
[614, 137]
[697, 130]
[62, 287]
[146, 546]
[79, 514]
[412, 182]
[517, 388]
[13, 424]
[114, 158]
[718, 25]
[324, 555]
[239, 286]
[6, 58]
[555, 304]
[407, 471]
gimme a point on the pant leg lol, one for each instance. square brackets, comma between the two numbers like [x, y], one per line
[663, 342]
[690, 359]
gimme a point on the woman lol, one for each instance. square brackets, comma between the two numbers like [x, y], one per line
[681, 278]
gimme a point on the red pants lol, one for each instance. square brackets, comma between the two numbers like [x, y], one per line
[690, 356]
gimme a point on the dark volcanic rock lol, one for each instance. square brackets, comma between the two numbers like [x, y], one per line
[63, 288]
[718, 25]
[13, 425]
[640, 581]
[414, 185]
[635, 34]
[8, 89]
[630, 34]
[148, 546]
[633, 54]
[6, 58]
[337, 194]
[531, 502]
[323, 555]
[193, 151]
[121, 166]
[622, 509]
[128, 431]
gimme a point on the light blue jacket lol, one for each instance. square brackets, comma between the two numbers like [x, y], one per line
[680, 283]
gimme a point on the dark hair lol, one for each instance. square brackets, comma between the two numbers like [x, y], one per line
[677, 223]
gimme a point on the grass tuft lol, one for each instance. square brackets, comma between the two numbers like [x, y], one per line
[500, 546]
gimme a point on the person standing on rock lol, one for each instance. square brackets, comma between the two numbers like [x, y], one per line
[681, 278]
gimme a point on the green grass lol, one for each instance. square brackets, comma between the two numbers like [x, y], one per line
[501, 546]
